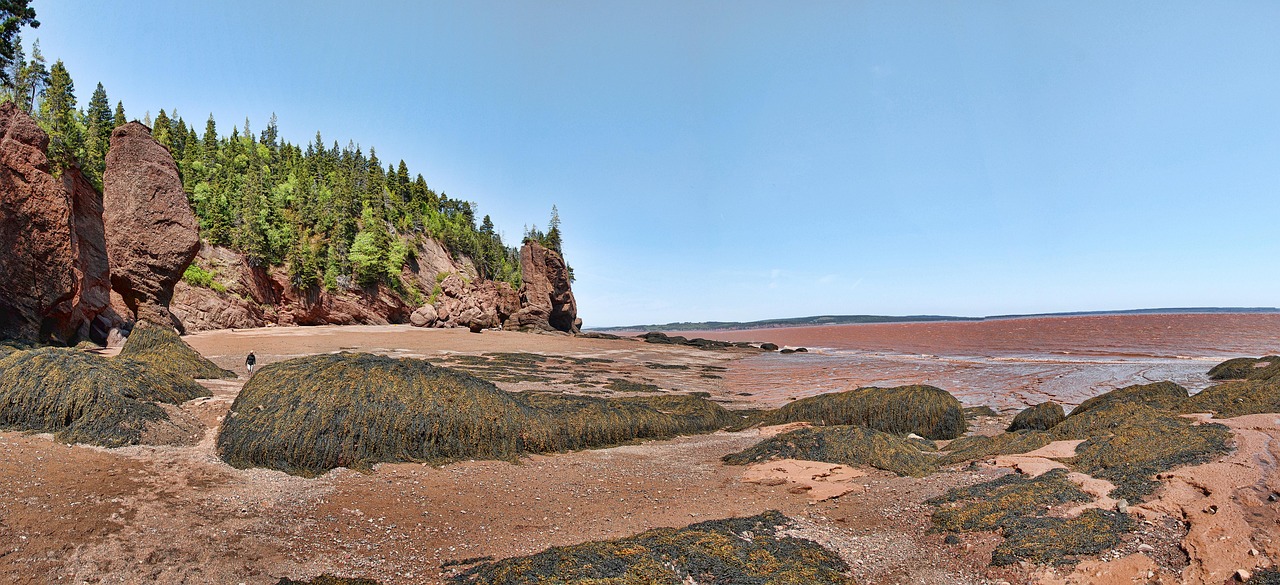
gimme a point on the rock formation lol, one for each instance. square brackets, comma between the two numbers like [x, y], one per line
[484, 304]
[546, 299]
[252, 296]
[52, 279]
[152, 235]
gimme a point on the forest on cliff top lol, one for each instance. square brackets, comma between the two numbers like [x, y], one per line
[332, 215]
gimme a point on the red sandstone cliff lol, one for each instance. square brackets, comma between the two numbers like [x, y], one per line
[53, 268]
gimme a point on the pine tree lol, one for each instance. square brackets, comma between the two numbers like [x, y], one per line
[35, 77]
[58, 117]
[210, 141]
[118, 119]
[552, 237]
[99, 124]
[14, 14]
[14, 82]
[160, 130]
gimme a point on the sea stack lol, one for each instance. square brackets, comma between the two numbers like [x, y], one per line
[546, 299]
[53, 280]
[152, 235]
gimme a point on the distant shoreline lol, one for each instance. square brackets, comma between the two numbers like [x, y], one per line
[820, 320]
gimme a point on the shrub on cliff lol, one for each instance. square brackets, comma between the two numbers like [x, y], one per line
[85, 398]
[160, 349]
[754, 549]
[846, 445]
[1040, 417]
[1263, 368]
[311, 414]
[924, 410]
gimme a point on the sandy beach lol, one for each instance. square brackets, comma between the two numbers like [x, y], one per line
[178, 514]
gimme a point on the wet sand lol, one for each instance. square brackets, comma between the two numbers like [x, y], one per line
[1005, 364]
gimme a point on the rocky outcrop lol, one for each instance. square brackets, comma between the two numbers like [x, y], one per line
[475, 304]
[250, 296]
[54, 269]
[152, 235]
[546, 299]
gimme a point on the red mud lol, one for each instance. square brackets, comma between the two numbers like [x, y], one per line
[1004, 363]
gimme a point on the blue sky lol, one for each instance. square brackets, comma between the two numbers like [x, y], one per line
[745, 160]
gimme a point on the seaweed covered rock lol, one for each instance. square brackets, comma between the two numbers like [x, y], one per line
[992, 504]
[1269, 576]
[560, 422]
[846, 445]
[328, 580]
[1040, 417]
[161, 349]
[1161, 395]
[924, 410]
[1056, 541]
[981, 446]
[1237, 398]
[754, 549]
[1128, 444]
[1017, 506]
[1263, 368]
[311, 414]
[85, 398]
[152, 234]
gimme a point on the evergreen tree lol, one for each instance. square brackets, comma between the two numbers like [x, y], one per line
[552, 238]
[210, 140]
[58, 117]
[34, 78]
[118, 119]
[14, 82]
[160, 130]
[99, 124]
[14, 14]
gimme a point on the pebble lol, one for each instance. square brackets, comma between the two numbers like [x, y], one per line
[1243, 575]
[1144, 547]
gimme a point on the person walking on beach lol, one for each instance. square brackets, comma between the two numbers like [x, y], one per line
[249, 361]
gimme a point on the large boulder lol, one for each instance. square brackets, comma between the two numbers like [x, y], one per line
[424, 316]
[152, 235]
[546, 299]
[51, 280]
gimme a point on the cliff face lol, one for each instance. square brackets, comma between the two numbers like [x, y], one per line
[53, 271]
[257, 297]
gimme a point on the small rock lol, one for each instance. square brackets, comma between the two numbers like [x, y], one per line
[1243, 575]
[1122, 506]
[951, 539]
[1144, 547]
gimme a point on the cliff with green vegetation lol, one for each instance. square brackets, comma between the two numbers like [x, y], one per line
[310, 233]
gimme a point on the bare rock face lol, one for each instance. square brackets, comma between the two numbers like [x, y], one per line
[480, 304]
[546, 298]
[152, 235]
[54, 262]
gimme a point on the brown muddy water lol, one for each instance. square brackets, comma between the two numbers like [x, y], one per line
[1005, 363]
